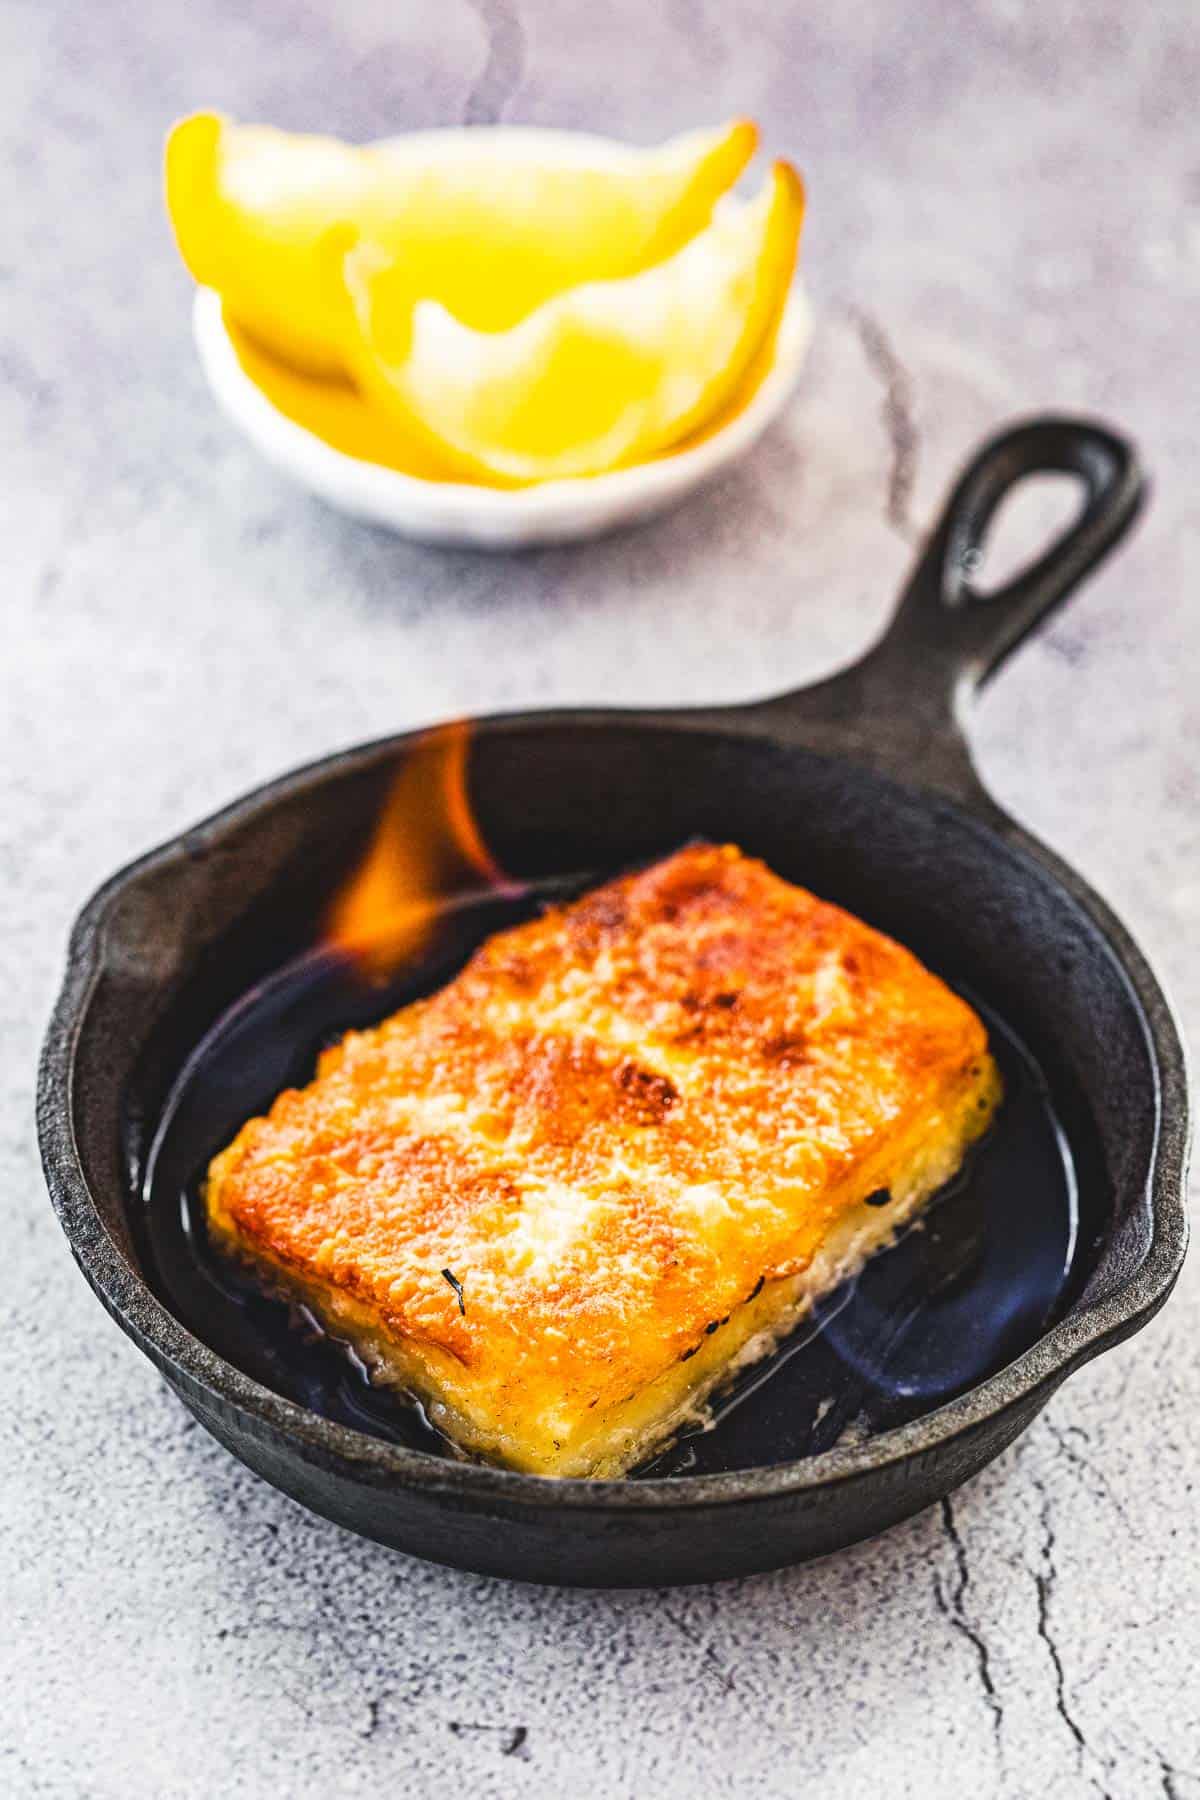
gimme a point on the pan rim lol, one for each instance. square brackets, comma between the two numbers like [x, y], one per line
[218, 1385]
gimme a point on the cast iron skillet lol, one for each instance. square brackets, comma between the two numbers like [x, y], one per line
[862, 787]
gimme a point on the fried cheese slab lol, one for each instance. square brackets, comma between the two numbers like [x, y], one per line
[619, 1157]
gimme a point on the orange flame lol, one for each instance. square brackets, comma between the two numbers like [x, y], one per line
[427, 846]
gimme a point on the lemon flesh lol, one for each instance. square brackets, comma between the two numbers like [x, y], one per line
[490, 223]
[606, 374]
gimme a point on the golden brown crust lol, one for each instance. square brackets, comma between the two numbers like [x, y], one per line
[609, 1127]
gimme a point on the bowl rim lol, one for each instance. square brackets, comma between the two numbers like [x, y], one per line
[187, 1359]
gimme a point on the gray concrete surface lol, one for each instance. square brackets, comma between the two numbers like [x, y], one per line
[1004, 217]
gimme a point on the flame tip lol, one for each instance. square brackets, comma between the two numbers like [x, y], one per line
[425, 840]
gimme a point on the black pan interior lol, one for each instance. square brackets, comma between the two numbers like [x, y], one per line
[1031, 1229]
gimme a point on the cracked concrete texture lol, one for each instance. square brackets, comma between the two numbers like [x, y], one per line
[1004, 217]
[501, 73]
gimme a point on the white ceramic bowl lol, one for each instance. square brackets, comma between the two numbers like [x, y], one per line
[438, 512]
[490, 518]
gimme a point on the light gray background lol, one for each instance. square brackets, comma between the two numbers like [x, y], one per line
[1004, 217]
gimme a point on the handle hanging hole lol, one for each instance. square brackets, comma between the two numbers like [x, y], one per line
[1035, 514]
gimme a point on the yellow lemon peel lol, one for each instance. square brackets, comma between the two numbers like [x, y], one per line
[491, 224]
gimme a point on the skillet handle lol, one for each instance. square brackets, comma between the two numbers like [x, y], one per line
[969, 634]
[903, 706]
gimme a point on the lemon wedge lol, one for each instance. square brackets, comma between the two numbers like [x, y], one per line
[491, 223]
[606, 374]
